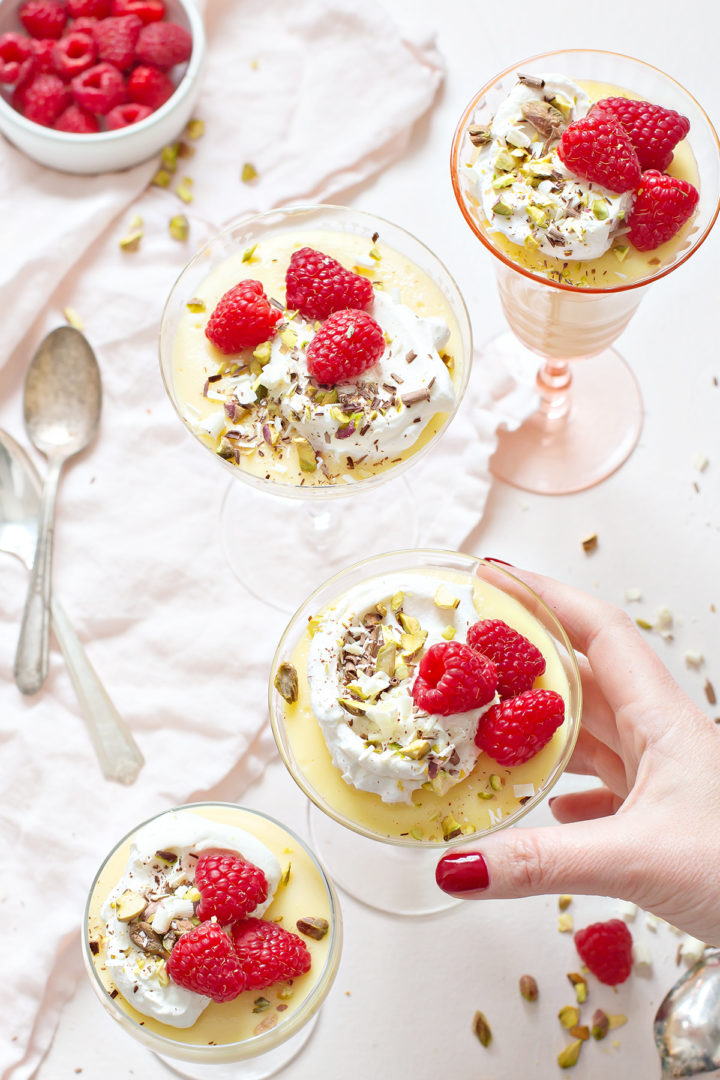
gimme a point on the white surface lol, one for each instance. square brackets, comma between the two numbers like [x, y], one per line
[407, 989]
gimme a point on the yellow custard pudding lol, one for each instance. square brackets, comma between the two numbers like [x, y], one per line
[396, 724]
[213, 936]
[275, 377]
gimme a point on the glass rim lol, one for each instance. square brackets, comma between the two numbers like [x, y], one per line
[459, 310]
[474, 561]
[456, 148]
[257, 1044]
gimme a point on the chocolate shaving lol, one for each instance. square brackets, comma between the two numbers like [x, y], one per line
[414, 397]
[410, 356]
[396, 378]
[277, 304]
[533, 81]
[94, 947]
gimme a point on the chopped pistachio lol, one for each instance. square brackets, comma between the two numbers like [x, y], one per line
[249, 172]
[485, 795]
[478, 136]
[564, 901]
[409, 623]
[375, 253]
[183, 192]
[620, 251]
[313, 927]
[449, 633]
[326, 397]
[195, 305]
[196, 129]
[616, 1021]
[569, 1016]
[73, 319]
[416, 832]
[169, 157]
[179, 227]
[248, 254]
[504, 161]
[161, 973]
[401, 670]
[417, 749]
[385, 659]
[565, 922]
[502, 208]
[286, 682]
[580, 1031]
[600, 1024]
[528, 988]
[260, 1004]
[544, 117]
[589, 542]
[538, 216]
[288, 336]
[500, 182]
[161, 179]
[531, 243]
[562, 104]
[262, 352]
[580, 984]
[129, 905]
[495, 782]
[600, 210]
[396, 602]
[445, 599]
[411, 644]
[285, 876]
[450, 827]
[285, 993]
[569, 1056]
[306, 455]
[643, 624]
[131, 242]
[481, 1028]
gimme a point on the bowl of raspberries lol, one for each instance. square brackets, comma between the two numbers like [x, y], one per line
[92, 86]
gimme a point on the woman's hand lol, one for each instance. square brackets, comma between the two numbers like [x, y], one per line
[651, 834]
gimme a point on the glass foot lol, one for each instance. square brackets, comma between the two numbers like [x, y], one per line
[258, 1068]
[386, 877]
[281, 549]
[583, 447]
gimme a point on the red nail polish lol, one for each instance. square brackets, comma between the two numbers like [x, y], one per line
[491, 558]
[462, 873]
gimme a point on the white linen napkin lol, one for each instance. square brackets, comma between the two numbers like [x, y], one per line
[317, 96]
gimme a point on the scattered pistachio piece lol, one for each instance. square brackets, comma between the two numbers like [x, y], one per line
[249, 172]
[169, 157]
[643, 624]
[179, 227]
[495, 782]
[260, 1004]
[600, 1024]
[580, 1031]
[478, 136]
[396, 602]
[528, 988]
[481, 1029]
[502, 208]
[564, 901]
[450, 827]
[131, 242]
[285, 876]
[589, 542]
[248, 254]
[580, 984]
[418, 748]
[195, 305]
[620, 251]
[285, 993]
[544, 117]
[73, 319]
[569, 1056]
[569, 1016]
[196, 129]
[616, 1021]
[286, 682]
[445, 599]
[313, 927]
[129, 905]
[417, 833]
[183, 192]
[600, 210]
[449, 633]
[306, 455]
[161, 179]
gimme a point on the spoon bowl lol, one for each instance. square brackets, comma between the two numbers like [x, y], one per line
[687, 1023]
[62, 403]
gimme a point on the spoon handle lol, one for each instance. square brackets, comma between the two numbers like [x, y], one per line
[31, 658]
[118, 753]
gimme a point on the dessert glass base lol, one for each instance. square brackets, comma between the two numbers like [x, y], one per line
[588, 423]
[280, 549]
[397, 880]
[270, 1064]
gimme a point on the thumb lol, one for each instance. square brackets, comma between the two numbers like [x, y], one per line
[582, 857]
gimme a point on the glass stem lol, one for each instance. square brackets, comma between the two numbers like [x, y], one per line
[553, 381]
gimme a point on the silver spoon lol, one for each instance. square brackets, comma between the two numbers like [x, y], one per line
[687, 1024]
[63, 397]
[20, 485]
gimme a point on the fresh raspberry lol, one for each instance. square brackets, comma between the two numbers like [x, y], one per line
[164, 44]
[268, 953]
[230, 886]
[606, 948]
[73, 54]
[44, 99]
[203, 960]
[517, 729]
[42, 53]
[77, 120]
[116, 39]
[43, 18]
[517, 660]
[99, 89]
[654, 131]
[89, 9]
[317, 285]
[599, 149]
[347, 344]
[124, 115]
[662, 206]
[149, 86]
[242, 319]
[453, 678]
[147, 10]
[14, 51]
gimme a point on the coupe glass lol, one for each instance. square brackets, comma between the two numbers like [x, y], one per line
[589, 419]
[262, 1054]
[367, 845]
[281, 538]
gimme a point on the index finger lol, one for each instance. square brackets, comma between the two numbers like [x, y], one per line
[626, 668]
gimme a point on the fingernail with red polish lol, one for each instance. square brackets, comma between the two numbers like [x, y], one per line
[551, 801]
[491, 558]
[462, 873]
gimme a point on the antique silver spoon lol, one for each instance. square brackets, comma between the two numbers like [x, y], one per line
[687, 1024]
[62, 402]
[119, 756]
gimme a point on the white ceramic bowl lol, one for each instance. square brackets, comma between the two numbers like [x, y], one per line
[108, 151]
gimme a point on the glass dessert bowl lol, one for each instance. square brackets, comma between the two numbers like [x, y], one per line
[322, 415]
[382, 763]
[156, 895]
[569, 274]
